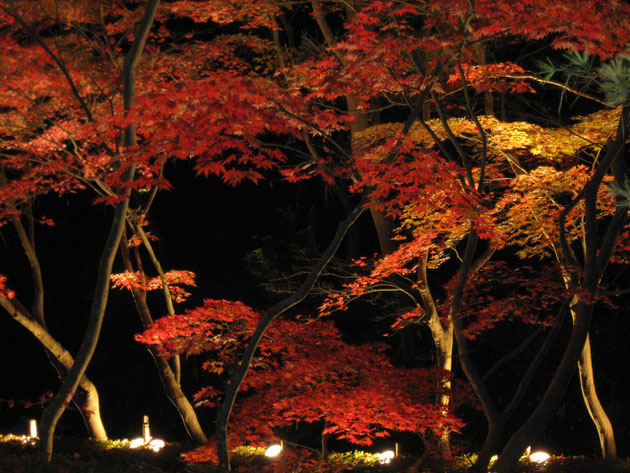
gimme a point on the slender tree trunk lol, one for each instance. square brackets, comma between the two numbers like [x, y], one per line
[602, 423]
[178, 398]
[490, 445]
[539, 419]
[444, 350]
[241, 370]
[93, 410]
[35, 322]
[325, 442]
[488, 100]
[586, 375]
[598, 250]
[55, 349]
[56, 408]
[603, 426]
[171, 385]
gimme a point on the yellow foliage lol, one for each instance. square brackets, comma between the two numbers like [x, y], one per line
[551, 144]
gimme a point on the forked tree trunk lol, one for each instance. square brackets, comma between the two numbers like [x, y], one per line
[91, 408]
[35, 323]
[57, 406]
[598, 251]
[586, 375]
[603, 426]
[539, 419]
[53, 412]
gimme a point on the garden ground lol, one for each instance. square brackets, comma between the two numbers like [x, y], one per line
[74, 455]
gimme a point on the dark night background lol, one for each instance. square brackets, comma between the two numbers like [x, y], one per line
[210, 229]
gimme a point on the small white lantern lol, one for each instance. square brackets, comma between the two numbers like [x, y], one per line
[136, 443]
[146, 433]
[32, 428]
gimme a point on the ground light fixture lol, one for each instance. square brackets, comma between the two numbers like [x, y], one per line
[146, 440]
[539, 456]
[388, 455]
[274, 450]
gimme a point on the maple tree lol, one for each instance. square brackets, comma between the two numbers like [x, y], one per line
[40, 124]
[368, 64]
[32, 177]
[303, 372]
[68, 134]
[402, 175]
[527, 222]
[447, 183]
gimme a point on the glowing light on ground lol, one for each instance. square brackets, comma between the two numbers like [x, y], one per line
[154, 444]
[274, 450]
[146, 441]
[539, 457]
[136, 443]
[386, 456]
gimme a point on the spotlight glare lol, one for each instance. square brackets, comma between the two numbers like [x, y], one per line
[135, 443]
[273, 450]
[386, 456]
[539, 457]
[156, 444]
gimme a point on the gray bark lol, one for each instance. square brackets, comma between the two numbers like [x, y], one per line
[56, 408]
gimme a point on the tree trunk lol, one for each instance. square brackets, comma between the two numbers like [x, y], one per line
[489, 447]
[444, 350]
[325, 442]
[597, 254]
[35, 322]
[178, 398]
[57, 406]
[602, 423]
[92, 409]
[242, 368]
[384, 232]
[591, 400]
[171, 385]
[539, 419]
